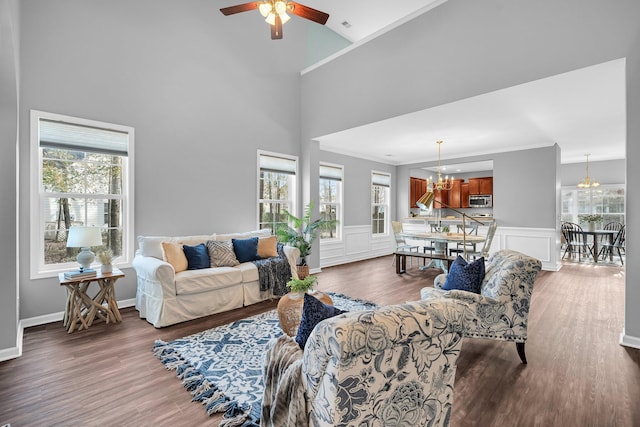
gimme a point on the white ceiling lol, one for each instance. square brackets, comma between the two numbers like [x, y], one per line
[368, 17]
[583, 111]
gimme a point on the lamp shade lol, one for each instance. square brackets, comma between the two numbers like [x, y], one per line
[425, 201]
[84, 237]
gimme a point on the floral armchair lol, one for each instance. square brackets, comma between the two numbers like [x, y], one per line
[393, 365]
[501, 310]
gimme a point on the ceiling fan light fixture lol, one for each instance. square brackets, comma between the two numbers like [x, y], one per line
[284, 17]
[265, 8]
[271, 18]
[281, 7]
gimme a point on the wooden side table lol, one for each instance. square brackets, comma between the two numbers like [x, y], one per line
[82, 309]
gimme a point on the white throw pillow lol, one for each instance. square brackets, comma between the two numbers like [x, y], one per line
[152, 245]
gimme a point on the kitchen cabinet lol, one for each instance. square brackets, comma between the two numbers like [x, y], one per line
[481, 185]
[417, 187]
[440, 196]
[455, 194]
[464, 195]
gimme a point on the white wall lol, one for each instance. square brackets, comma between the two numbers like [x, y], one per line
[9, 83]
[203, 91]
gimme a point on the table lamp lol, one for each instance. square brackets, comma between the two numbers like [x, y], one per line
[84, 238]
[425, 202]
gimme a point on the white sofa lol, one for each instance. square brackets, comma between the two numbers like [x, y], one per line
[165, 297]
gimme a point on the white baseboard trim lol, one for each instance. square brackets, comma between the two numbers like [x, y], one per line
[13, 352]
[629, 341]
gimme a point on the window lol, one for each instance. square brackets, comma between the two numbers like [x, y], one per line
[276, 188]
[331, 198]
[85, 178]
[606, 200]
[380, 183]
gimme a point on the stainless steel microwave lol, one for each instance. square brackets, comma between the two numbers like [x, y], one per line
[480, 201]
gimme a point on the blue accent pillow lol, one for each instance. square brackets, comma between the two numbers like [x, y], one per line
[465, 276]
[197, 256]
[314, 311]
[246, 249]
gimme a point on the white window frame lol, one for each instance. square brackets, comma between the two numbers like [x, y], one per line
[386, 205]
[38, 269]
[338, 204]
[593, 209]
[293, 191]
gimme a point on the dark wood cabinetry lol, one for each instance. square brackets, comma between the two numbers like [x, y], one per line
[481, 185]
[440, 196]
[455, 194]
[464, 195]
[418, 187]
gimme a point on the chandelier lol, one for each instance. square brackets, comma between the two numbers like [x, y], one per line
[440, 184]
[588, 182]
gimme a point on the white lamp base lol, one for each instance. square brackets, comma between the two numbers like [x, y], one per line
[85, 258]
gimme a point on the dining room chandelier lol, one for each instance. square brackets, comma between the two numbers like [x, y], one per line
[440, 184]
[587, 182]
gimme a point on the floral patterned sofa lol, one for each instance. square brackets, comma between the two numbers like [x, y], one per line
[501, 310]
[393, 365]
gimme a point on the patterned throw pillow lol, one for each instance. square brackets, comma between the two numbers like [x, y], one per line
[197, 256]
[313, 312]
[465, 276]
[174, 255]
[221, 253]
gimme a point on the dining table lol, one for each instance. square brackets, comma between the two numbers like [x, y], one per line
[596, 234]
[441, 239]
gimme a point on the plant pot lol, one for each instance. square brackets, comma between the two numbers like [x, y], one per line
[592, 226]
[290, 309]
[303, 271]
[106, 268]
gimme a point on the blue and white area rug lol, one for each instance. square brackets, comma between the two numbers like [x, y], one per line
[222, 367]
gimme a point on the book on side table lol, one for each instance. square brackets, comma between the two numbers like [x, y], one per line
[80, 274]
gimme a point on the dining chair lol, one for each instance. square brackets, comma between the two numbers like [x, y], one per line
[576, 241]
[469, 231]
[618, 244]
[484, 252]
[401, 243]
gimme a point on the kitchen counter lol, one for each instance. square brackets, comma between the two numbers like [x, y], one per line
[449, 219]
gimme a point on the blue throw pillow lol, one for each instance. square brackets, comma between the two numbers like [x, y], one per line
[465, 276]
[197, 256]
[246, 249]
[314, 311]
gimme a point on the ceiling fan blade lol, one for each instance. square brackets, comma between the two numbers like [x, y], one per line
[276, 30]
[239, 8]
[308, 13]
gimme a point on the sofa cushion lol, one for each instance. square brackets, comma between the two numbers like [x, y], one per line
[267, 247]
[207, 279]
[314, 311]
[249, 272]
[221, 253]
[152, 245]
[246, 249]
[465, 276]
[197, 256]
[265, 232]
[174, 255]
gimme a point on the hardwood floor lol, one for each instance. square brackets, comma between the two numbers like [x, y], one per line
[578, 374]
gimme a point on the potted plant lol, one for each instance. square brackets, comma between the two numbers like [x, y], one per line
[590, 219]
[301, 234]
[302, 285]
[105, 257]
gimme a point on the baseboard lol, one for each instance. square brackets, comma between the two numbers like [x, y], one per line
[629, 341]
[13, 352]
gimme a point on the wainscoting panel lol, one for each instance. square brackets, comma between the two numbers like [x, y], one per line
[358, 244]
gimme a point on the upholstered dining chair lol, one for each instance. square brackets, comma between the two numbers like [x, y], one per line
[501, 310]
[392, 365]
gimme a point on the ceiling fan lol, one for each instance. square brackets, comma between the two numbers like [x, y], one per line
[275, 13]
